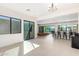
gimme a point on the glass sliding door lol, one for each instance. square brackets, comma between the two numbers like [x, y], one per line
[26, 30]
[41, 29]
[52, 28]
[31, 30]
[46, 29]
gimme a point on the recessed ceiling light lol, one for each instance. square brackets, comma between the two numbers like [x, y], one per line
[28, 10]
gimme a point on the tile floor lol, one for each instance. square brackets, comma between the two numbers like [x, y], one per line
[45, 46]
[48, 46]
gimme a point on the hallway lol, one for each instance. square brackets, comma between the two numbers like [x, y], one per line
[48, 46]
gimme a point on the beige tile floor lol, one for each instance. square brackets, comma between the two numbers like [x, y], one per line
[45, 46]
[49, 46]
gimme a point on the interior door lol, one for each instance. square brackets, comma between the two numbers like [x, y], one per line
[26, 30]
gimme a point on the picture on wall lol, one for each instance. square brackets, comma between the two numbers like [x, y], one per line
[4, 25]
[15, 25]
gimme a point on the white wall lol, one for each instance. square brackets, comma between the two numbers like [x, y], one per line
[7, 39]
[60, 13]
[78, 22]
[59, 19]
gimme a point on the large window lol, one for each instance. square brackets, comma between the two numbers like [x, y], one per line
[15, 25]
[68, 27]
[4, 25]
[9, 25]
[46, 29]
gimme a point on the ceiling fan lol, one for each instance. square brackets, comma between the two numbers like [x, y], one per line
[52, 8]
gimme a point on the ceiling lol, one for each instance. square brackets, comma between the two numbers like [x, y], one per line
[36, 9]
[59, 19]
[39, 9]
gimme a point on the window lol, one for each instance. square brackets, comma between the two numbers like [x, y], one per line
[4, 25]
[15, 25]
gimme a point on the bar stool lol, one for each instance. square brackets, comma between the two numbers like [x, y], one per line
[64, 35]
